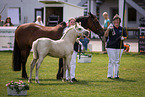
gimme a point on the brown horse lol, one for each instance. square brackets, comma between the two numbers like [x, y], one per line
[25, 34]
[88, 22]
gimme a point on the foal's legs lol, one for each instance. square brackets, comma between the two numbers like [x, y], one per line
[67, 65]
[64, 70]
[37, 68]
[31, 69]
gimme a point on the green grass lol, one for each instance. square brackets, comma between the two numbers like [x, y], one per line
[92, 78]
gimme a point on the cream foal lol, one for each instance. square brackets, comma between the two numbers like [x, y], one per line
[62, 48]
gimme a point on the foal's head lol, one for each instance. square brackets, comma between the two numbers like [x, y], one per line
[80, 30]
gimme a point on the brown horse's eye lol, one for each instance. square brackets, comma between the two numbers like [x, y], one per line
[79, 28]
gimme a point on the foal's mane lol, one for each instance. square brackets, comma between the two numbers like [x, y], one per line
[66, 31]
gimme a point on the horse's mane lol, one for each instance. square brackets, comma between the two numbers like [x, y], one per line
[83, 20]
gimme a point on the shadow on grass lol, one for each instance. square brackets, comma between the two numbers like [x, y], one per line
[82, 82]
[39, 79]
[52, 83]
[123, 80]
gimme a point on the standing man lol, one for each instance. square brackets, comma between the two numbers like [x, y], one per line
[116, 35]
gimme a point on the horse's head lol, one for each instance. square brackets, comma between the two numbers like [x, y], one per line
[94, 25]
[62, 24]
[80, 30]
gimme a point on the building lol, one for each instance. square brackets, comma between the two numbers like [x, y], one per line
[24, 11]
[55, 11]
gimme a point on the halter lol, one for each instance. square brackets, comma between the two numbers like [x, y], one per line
[79, 31]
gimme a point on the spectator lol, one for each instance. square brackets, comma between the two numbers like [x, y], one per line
[1, 21]
[106, 21]
[39, 21]
[126, 48]
[106, 24]
[8, 22]
[85, 40]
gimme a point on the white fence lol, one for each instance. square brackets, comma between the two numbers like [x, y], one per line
[7, 38]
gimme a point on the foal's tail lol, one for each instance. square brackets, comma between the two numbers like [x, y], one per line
[16, 64]
[34, 48]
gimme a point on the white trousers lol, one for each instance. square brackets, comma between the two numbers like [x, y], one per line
[72, 66]
[114, 60]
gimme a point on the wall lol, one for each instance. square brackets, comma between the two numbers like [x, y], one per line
[106, 7]
[76, 2]
[108, 4]
[27, 8]
[72, 11]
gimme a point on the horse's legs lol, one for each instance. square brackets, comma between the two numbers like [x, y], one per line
[37, 68]
[24, 56]
[31, 69]
[66, 65]
[60, 69]
[64, 70]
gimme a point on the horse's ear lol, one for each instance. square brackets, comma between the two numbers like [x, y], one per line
[79, 23]
[91, 14]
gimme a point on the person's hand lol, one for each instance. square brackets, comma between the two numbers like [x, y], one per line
[122, 38]
[110, 26]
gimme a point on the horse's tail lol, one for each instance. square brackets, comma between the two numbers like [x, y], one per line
[16, 64]
[34, 48]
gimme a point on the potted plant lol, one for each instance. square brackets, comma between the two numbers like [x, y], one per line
[17, 88]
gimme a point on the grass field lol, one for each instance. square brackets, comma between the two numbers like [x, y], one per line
[91, 76]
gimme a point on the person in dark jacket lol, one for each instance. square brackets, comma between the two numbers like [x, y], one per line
[116, 35]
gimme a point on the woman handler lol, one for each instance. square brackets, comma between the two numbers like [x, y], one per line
[116, 34]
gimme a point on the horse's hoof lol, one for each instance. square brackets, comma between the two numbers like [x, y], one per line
[63, 80]
[25, 77]
[36, 81]
[29, 81]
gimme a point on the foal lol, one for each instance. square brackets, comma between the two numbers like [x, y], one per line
[62, 48]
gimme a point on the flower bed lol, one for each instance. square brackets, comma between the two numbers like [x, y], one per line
[17, 88]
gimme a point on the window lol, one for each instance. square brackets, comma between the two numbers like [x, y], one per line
[15, 15]
[131, 14]
[39, 12]
[113, 12]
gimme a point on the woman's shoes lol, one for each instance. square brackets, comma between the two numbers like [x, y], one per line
[74, 80]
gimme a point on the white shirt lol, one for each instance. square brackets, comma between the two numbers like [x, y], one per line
[40, 23]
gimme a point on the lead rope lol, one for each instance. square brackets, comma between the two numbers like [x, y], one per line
[124, 12]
